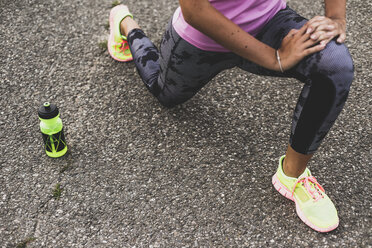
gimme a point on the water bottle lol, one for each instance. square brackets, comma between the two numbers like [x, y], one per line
[52, 130]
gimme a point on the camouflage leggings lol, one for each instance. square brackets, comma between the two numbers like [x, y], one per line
[180, 70]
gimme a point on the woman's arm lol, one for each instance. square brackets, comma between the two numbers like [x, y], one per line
[201, 15]
[335, 9]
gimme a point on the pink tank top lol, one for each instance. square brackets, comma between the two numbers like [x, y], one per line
[250, 15]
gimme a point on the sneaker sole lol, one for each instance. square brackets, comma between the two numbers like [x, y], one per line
[110, 39]
[287, 194]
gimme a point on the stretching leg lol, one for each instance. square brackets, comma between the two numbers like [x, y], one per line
[179, 70]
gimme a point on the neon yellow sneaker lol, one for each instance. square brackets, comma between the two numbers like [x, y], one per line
[117, 43]
[313, 206]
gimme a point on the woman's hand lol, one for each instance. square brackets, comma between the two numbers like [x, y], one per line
[297, 45]
[324, 29]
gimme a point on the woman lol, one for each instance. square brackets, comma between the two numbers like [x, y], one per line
[264, 37]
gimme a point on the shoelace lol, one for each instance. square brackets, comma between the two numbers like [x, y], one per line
[306, 182]
[123, 46]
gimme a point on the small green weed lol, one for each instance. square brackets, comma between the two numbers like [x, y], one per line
[57, 191]
[115, 3]
[103, 45]
[24, 243]
[65, 168]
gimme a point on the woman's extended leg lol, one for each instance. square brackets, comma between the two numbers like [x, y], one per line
[179, 70]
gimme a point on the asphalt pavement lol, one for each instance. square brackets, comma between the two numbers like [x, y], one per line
[140, 175]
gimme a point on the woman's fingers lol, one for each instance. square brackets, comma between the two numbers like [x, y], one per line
[326, 41]
[313, 23]
[341, 38]
[322, 35]
[302, 30]
[316, 35]
[316, 19]
[320, 24]
[323, 28]
[292, 32]
[308, 43]
[313, 49]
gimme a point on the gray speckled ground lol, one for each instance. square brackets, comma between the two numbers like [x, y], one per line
[140, 175]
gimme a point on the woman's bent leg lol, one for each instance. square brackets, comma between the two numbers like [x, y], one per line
[327, 76]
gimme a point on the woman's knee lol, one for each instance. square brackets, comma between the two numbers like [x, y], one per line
[336, 64]
[169, 100]
[172, 93]
[330, 74]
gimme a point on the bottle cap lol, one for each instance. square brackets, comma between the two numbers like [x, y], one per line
[48, 111]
